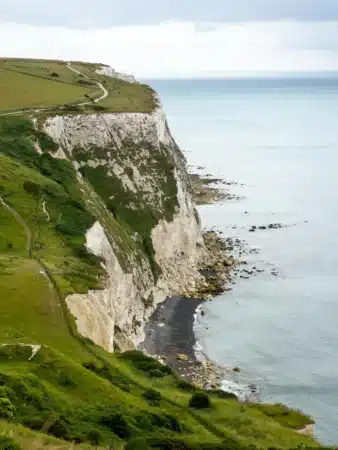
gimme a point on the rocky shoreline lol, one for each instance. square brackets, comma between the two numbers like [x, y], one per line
[169, 334]
[170, 338]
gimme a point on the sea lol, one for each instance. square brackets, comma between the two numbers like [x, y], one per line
[277, 139]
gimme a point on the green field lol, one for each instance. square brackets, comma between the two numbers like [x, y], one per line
[28, 84]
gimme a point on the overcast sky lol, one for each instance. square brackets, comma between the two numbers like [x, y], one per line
[176, 38]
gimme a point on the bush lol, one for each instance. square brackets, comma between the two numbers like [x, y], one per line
[85, 82]
[54, 75]
[118, 424]
[46, 142]
[65, 379]
[72, 108]
[153, 397]
[166, 421]
[94, 437]
[59, 429]
[146, 363]
[32, 188]
[7, 443]
[200, 400]
[7, 409]
[156, 373]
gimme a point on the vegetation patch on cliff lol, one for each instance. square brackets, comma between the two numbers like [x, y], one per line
[137, 200]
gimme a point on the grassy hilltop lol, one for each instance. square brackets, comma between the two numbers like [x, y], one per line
[51, 84]
[58, 389]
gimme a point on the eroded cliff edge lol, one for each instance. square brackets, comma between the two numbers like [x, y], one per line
[134, 180]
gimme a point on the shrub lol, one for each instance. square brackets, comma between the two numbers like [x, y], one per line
[59, 429]
[146, 363]
[54, 75]
[85, 82]
[94, 437]
[72, 108]
[32, 188]
[156, 373]
[166, 421]
[7, 443]
[200, 400]
[7, 409]
[153, 397]
[99, 107]
[46, 142]
[66, 380]
[118, 424]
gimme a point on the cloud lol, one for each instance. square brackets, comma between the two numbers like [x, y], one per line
[107, 13]
[185, 49]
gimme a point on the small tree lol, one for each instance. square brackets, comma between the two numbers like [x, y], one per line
[7, 443]
[94, 437]
[200, 401]
[7, 410]
[153, 397]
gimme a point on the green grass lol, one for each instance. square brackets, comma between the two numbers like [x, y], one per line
[126, 97]
[28, 439]
[19, 91]
[26, 84]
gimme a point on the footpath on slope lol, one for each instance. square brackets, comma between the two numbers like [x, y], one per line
[20, 220]
[100, 85]
[42, 267]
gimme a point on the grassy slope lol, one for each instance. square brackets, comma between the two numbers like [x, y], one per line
[30, 84]
[54, 392]
[28, 439]
[19, 90]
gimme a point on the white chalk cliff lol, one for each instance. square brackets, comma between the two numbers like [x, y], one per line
[137, 151]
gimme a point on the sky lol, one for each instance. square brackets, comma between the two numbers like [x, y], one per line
[176, 38]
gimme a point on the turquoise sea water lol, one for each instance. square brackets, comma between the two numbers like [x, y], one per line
[280, 139]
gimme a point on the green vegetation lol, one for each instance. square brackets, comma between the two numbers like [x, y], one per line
[136, 211]
[200, 400]
[18, 91]
[288, 417]
[27, 84]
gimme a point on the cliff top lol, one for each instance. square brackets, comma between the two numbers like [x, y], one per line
[75, 86]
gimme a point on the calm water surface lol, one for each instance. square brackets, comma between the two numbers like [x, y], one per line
[280, 139]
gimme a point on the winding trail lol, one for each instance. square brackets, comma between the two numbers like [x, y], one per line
[104, 95]
[100, 85]
[45, 210]
[43, 270]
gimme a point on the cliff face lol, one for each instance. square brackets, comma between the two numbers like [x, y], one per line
[147, 232]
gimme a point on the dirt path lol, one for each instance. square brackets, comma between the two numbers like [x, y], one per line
[104, 95]
[42, 268]
[100, 85]
[20, 220]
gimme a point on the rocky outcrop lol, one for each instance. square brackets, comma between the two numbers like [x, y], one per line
[110, 72]
[133, 174]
